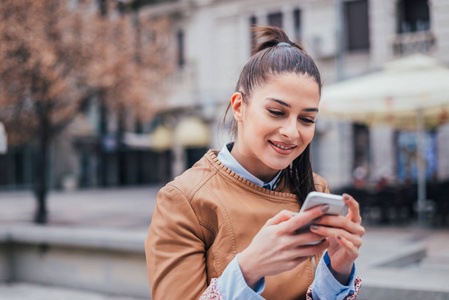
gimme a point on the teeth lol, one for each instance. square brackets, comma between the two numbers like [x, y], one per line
[282, 147]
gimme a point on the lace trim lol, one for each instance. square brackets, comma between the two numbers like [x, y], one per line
[211, 292]
[357, 285]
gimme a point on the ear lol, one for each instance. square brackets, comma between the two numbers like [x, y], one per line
[237, 106]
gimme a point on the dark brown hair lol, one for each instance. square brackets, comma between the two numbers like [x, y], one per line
[275, 56]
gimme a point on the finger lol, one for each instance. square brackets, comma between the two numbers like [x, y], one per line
[353, 208]
[307, 250]
[304, 239]
[313, 249]
[302, 219]
[340, 222]
[335, 232]
[297, 255]
[348, 245]
[280, 217]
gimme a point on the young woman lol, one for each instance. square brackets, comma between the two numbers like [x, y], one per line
[227, 227]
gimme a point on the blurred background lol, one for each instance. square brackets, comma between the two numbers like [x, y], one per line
[102, 102]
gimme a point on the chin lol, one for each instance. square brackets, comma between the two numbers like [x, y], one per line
[280, 163]
[278, 166]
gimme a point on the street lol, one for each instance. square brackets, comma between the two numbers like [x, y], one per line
[399, 262]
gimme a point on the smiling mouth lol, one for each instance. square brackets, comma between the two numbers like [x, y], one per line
[282, 147]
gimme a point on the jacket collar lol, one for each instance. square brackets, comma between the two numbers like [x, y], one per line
[226, 158]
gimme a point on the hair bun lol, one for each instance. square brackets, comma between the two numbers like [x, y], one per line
[272, 36]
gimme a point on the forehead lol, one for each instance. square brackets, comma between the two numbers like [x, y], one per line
[289, 87]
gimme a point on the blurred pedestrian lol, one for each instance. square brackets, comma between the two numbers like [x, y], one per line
[359, 175]
[226, 228]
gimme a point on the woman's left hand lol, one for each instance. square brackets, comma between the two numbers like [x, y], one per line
[345, 238]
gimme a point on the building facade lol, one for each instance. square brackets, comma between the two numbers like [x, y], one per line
[347, 38]
[212, 41]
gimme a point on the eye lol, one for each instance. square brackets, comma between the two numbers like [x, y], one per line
[307, 121]
[276, 113]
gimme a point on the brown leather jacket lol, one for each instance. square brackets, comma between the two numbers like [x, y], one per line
[202, 220]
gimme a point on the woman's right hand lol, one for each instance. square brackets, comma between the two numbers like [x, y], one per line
[277, 247]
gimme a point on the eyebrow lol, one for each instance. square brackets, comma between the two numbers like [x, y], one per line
[314, 109]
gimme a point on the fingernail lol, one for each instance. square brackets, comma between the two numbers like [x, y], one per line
[346, 197]
[314, 227]
[324, 208]
[338, 237]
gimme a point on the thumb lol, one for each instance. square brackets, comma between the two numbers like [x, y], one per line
[282, 216]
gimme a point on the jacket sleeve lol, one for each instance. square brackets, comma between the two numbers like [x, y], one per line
[174, 249]
[320, 184]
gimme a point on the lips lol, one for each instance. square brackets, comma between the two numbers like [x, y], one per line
[282, 148]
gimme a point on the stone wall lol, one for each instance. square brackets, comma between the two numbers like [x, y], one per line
[101, 261]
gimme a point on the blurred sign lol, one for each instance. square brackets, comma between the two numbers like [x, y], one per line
[407, 145]
[3, 140]
[137, 140]
[109, 143]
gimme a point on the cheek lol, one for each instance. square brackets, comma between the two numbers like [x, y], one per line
[310, 132]
[306, 134]
[259, 126]
[266, 129]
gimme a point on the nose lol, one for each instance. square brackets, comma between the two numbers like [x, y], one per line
[290, 129]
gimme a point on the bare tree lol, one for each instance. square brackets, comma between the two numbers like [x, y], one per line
[56, 54]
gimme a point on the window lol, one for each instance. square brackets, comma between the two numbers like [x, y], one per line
[413, 16]
[138, 126]
[297, 24]
[361, 147]
[103, 7]
[275, 19]
[252, 23]
[180, 42]
[356, 25]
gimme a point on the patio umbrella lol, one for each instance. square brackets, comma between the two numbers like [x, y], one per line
[409, 93]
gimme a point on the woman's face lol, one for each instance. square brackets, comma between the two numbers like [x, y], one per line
[276, 124]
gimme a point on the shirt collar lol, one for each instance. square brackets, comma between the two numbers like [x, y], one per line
[226, 158]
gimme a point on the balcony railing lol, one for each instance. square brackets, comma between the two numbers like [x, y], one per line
[414, 42]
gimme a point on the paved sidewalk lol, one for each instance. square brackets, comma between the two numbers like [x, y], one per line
[24, 291]
[401, 262]
[113, 208]
[410, 258]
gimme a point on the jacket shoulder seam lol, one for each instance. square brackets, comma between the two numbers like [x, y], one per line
[190, 205]
[191, 194]
[228, 221]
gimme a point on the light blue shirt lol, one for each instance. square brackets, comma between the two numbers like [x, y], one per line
[232, 284]
[226, 158]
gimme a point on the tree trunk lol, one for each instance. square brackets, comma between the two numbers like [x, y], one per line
[41, 187]
[121, 150]
[103, 170]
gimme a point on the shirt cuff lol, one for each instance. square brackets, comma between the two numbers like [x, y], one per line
[232, 284]
[325, 286]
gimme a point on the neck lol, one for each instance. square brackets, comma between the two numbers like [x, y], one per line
[251, 164]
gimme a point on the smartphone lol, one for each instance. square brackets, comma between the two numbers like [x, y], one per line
[336, 206]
